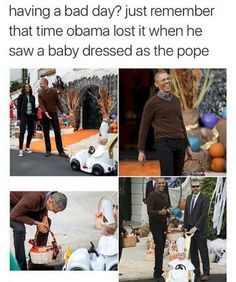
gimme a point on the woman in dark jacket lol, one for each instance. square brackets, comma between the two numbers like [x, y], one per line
[26, 117]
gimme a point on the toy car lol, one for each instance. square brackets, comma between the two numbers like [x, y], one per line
[96, 161]
[84, 260]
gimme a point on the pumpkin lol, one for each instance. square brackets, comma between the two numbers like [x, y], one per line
[217, 150]
[218, 164]
[182, 204]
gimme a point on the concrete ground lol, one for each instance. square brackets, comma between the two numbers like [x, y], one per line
[75, 226]
[213, 278]
[136, 265]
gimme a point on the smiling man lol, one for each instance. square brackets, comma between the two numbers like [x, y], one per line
[32, 208]
[158, 205]
[163, 112]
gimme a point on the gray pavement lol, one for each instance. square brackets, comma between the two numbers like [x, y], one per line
[36, 164]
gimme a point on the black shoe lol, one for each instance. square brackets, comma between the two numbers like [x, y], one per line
[158, 278]
[48, 154]
[63, 154]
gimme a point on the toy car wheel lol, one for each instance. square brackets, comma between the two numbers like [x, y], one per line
[114, 267]
[97, 170]
[76, 269]
[75, 165]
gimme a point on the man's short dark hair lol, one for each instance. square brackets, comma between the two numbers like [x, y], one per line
[195, 179]
[59, 200]
[44, 80]
[159, 73]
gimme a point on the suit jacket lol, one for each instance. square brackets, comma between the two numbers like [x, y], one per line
[199, 216]
[149, 189]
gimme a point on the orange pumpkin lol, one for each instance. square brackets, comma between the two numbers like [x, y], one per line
[217, 150]
[218, 164]
[182, 204]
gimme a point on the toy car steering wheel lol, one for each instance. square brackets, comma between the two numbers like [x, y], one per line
[91, 150]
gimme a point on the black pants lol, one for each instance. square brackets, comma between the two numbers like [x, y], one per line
[199, 243]
[26, 121]
[46, 130]
[171, 154]
[19, 238]
[159, 236]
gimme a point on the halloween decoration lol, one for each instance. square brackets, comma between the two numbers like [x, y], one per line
[217, 150]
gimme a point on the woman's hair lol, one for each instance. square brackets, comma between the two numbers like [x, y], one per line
[23, 89]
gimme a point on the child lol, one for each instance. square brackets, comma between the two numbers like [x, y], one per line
[108, 244]
[180, 269]
[103, 130]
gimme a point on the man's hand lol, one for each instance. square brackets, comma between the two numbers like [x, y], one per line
[45, 221]
[18, 122]
[193, 230]
[47, 115]
[42, 227]
[163, 211]
[141, 156]
[189, 153]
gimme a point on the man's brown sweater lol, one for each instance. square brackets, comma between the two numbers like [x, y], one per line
[166, 119]
[23, 203]
[49, 101]
[156, 201]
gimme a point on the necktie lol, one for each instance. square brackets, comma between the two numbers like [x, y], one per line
[192, 204]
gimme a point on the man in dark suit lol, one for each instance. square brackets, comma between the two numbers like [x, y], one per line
[150, 186]
[195, 222]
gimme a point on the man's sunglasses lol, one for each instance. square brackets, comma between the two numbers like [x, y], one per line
[195, 186]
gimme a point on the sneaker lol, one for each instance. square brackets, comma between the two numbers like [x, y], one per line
[20, 153]
[28, 151]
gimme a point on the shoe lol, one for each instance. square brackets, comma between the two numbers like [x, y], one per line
[48, 154]
[20, 153]
[28, 151]
[158, 278]
[63, 154]
[204, 277]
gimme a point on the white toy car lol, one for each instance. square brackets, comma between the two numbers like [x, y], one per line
[96, 161]
[89, 260]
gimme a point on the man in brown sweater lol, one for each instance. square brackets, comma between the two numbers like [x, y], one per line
[50, 104]
[32, 208]
[163, 112]
[158, 211]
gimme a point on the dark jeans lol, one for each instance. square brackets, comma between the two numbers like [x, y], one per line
[159, 236]
[26, 120]
[56, 127]
[199, 243]
[19, 238]
[171, 154]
